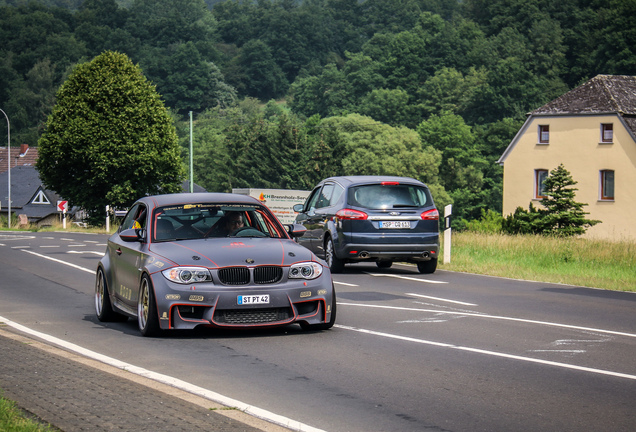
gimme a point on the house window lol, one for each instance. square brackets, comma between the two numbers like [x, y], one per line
[607, 185]
[607, 132]
[539, 177]
[544, 134]
[40, 198]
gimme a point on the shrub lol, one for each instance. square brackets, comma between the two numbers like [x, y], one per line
[490, 223]
[561, 215]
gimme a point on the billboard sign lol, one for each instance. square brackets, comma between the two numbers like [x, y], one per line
[279, 201]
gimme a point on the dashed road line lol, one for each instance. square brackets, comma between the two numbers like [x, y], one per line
[86, 252]
[406, 278]
[441, 299]
[345, 284]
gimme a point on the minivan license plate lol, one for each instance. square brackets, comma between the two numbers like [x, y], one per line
[253, 299]
[395, 224]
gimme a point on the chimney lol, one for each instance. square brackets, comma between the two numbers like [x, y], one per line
[24, 148]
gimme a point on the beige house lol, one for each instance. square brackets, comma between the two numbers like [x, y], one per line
[591, 130]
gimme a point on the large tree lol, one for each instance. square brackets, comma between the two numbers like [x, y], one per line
[109, 139]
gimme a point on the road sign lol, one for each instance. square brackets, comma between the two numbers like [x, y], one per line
[62, 206]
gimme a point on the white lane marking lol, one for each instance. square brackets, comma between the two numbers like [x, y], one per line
[15, 237]
[51, 246]
[406, 278]
[20, 247]
[77, 245]
[481, 315]
[86, 252]
[560, 342]
[566, 342]
[166, 379]
[491, 353]
[345, 284]
[442, 299]
[60, 261]
[67, 239]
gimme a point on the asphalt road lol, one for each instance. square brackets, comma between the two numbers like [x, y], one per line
[409, 352]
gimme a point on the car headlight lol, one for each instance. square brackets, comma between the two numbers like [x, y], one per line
[305, 270]
[187, 275]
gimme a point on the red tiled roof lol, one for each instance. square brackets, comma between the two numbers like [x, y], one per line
[20, 156]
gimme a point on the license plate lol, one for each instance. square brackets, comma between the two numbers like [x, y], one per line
[253, 299]
[395, 224]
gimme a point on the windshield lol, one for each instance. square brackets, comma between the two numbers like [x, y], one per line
[205, 220]
[389, 196]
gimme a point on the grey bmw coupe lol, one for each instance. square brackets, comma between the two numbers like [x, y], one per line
[209, 259]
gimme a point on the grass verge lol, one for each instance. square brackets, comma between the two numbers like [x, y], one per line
[12, 419]
[572, 261]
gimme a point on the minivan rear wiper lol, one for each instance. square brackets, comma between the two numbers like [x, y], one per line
[404, 206]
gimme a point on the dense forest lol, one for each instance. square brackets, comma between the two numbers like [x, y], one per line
[284, 93]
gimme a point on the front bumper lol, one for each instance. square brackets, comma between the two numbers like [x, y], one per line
[207, 304]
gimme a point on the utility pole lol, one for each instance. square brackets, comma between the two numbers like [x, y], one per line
[191, 157]
[8, 167]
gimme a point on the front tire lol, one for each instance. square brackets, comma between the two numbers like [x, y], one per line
[147, 315]
[427, 267]
[103, 307]
[336, 265]
[384, 264]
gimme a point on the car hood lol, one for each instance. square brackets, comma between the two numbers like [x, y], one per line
[225, 252]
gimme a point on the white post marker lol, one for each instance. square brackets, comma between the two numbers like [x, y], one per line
[107, 219]
[448, 210]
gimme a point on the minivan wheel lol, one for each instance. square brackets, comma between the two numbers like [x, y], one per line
[427, 267]
[336, 265]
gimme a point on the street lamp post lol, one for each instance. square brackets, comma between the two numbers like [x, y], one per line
[8, 166]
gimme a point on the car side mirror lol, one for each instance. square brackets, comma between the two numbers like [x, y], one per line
[296, 230]
[133, 235]
[298, 208]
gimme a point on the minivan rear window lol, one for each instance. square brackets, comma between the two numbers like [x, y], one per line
[378, 197]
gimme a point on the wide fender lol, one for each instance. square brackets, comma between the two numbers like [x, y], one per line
[105, 265]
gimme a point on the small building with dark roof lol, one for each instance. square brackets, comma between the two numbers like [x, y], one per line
[591, 130]
[29, 197]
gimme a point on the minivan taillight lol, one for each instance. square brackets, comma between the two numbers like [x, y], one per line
[430, 215]
[348, 214]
